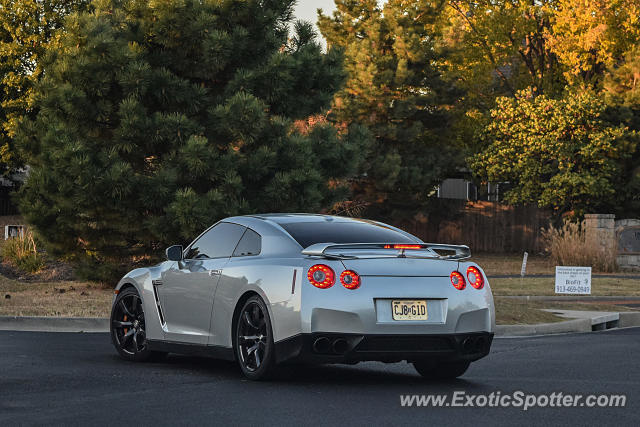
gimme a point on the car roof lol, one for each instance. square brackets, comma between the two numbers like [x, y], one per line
[277, 241]
[287, 218]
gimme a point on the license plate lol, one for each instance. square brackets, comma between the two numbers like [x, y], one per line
[409, 309]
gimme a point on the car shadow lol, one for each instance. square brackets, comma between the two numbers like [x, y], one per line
[332, 374]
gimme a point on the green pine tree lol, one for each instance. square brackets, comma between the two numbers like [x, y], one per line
[395, 87]
[157, 119]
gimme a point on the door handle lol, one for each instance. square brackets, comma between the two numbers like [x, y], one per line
[215, 272]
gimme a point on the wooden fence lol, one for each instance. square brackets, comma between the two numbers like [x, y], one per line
[483, 226]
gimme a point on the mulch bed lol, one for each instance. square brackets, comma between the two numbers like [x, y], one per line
[53, 271]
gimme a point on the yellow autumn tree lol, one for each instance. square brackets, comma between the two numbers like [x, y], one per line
[28, 28]
[589, 36]
[499, 47]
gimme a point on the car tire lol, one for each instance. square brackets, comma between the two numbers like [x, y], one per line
[128, 328]
[253, 340]
[441, 371]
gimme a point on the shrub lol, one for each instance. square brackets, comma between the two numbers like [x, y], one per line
[570, 244]
[22, 253]
[559, 153]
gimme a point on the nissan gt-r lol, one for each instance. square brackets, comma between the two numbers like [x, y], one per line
[271, 289]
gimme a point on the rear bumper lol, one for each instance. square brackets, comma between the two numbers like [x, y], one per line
[352, 348]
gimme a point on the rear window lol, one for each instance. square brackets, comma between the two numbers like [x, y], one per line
[309, 233]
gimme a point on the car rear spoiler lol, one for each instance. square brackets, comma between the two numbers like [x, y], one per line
[405, 250]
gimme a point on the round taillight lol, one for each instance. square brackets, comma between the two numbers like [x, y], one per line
[475, 277]
[457, 280]
[321, 276]
[350, 279]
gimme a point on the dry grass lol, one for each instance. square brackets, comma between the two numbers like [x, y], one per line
[22, 253]
[514, 312]
[571, 245]
[59, 299]
[502, 264]
[600, 286]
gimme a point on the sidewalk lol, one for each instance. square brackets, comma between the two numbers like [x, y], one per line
[53, 324]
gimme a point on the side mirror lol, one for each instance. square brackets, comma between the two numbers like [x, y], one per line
[174, 253]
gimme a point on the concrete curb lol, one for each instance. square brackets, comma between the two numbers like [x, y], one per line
[628, 319]
[576, 325]
[53, 324]
[602, 318]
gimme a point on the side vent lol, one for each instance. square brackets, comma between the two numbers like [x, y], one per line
[155, 284]
[293, 282]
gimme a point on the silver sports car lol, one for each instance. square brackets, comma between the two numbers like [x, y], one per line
[270, 289]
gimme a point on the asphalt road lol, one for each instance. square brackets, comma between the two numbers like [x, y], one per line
[77, 379]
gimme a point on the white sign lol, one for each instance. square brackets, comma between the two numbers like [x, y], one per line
[13, 231]
[523, 270]
[573, 280]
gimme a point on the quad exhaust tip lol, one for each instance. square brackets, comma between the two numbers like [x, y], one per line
[475, 345]
[322, 345]
[340, 346]
[325, 345]
[467, 345]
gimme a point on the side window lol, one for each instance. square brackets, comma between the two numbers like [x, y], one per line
[250, 244]
[218, 242]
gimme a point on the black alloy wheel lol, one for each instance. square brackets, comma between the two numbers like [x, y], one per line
[128, 328]
[253, 340]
